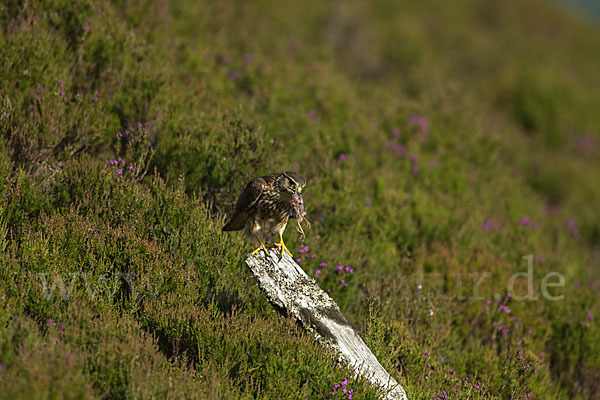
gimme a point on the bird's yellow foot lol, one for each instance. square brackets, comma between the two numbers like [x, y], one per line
[259, 248]
[283, 248]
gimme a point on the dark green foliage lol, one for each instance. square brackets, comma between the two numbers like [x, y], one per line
[441, 142]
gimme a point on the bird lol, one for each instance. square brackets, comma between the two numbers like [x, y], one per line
[264, 207]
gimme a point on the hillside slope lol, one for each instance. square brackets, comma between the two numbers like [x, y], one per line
[445, 145]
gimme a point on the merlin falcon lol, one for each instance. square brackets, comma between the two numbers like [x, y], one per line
[265, 205]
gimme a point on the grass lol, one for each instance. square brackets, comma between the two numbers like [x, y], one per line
[442, 143]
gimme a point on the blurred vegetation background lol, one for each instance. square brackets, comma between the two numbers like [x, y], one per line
[441, 141]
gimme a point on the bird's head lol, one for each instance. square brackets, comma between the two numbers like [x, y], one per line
[292, 182]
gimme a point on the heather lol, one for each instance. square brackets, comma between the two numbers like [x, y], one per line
[447, 146]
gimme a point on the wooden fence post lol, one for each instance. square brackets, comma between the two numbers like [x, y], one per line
[294, 293]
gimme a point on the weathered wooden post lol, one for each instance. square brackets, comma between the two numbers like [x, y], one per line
[293, 292]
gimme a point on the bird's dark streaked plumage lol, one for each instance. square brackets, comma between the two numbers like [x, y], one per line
[266, 204]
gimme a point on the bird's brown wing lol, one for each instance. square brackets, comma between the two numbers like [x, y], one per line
[247, 199]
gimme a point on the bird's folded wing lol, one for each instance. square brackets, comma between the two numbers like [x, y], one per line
[247, 199]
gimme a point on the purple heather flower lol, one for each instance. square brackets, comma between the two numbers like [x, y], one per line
[57, 340]
[318, 272]
[298, 260]
[323, 265]
[590, 316]
[233, 75]
[415, 170]
[344, 382]
[425, 355]
[414, 158]
[421, 122]
[570, 223]
[339, 267]
[489, 225]
[99, 11]
[225, 59]
[367, 204]
[86, 27]
[398, 148]
[139, 125]
[62, 325]
[313, 255]
[396, 133]
[41, 89]
[119, 171]
[130, 166]
[586, 144]
[31, 107]
[526, 221]
[0, 367]
[342, 157]
[433, 162]
[247, 57]
[577, 283]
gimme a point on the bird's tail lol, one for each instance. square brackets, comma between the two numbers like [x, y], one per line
[236, 222]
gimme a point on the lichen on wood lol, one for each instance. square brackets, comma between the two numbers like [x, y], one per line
[295, 294]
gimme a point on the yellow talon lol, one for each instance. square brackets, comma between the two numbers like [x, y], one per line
[259, 248]
[283, 246]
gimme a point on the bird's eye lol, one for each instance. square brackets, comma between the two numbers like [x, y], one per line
[298, 189]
